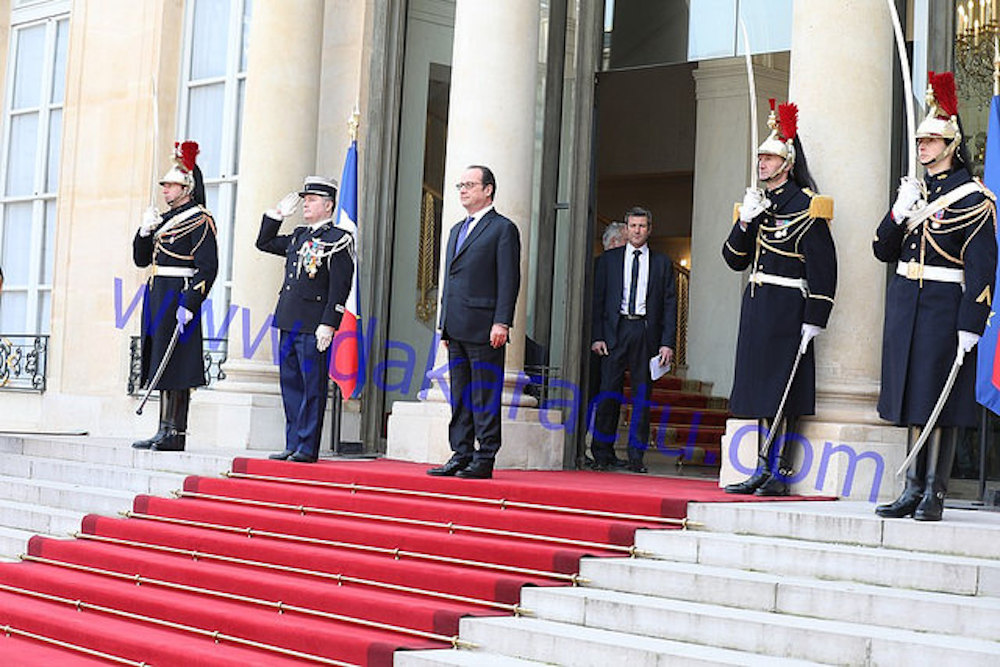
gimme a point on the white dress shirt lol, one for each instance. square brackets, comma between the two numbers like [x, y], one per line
[640, 296]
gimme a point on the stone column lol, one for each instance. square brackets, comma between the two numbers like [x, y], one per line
[491, 121]
[277, 149]
[845, 125]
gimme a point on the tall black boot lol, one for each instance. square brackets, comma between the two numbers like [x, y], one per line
[162, 432]
[939, 462]
[781, 465]
[176, 421]
[907, 501]
[760, 475]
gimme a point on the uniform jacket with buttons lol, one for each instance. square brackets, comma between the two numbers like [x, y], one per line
[790, 239]
[923, 316]
[308, 299]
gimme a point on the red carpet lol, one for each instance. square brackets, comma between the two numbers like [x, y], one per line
[336, 563]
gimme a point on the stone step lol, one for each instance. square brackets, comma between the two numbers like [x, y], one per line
[962, 533]
[458, 658]
[64, 496]
[879, 566]
[959, 615]
[37, 519]
[132, 480]
[562, 644]
[758, 632]
[13, 541]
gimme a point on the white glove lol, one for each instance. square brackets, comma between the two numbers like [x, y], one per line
[967, 340]
[909, 199]
[150, 220]
[324, 336]
[809, 331]
[754, 203]
[183, 317]
[285, 207]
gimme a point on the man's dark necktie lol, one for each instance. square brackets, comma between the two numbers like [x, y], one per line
[635, 282]
[462, 233]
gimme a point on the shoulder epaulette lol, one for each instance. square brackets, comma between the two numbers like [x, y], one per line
[736, 211]
[985, 190]
[820, 206]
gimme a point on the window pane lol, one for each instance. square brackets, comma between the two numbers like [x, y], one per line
[16, 244]
[247, 11]
[48, 243]
[44, 312]
[205, 126]
[59, 68]
[712, 29]
[52, 161]
[769, 25]
[13, 312]
[23, 151]
[28, 71]
[210, 40]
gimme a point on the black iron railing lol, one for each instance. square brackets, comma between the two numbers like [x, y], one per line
[23, 360]
[215, 351]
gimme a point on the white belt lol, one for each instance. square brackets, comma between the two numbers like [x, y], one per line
[914, 270]
[173, 271]
[761, 278]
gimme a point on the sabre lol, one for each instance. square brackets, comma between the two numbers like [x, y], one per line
[936, 412]
[752, 87]
[904, 67]
[765, 450]
[163, 365]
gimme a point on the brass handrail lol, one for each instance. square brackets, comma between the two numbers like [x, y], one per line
[502, 503]
[10, 630]
[396, 552]
[337, 577]
[278, 606]
[449, 526]
[214, 635]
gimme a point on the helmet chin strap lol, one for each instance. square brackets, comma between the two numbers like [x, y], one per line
[783, 169]
[948, 150]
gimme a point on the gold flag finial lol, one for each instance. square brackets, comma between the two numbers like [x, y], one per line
[353, 123]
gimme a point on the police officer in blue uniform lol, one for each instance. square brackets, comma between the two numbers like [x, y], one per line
[318, 273]
[939, 239]
[783, 236]
[180, 245]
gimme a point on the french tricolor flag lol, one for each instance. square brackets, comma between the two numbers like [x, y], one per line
[347, 363]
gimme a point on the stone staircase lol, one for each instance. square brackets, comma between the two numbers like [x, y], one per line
[784, 583]
[48, 483]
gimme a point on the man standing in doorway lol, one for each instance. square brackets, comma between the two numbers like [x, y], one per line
[634, 319]
[481, 282]
[317, 280]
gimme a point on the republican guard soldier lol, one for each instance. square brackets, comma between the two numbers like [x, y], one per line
[939, 238]
[782, 234]
[319, 267]
[180, 246]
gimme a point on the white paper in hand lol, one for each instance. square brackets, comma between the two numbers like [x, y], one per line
[656, 371]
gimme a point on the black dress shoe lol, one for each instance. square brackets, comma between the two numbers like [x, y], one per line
[600, 467]
[619, 463]
[901, 507]
[280, 456]
[449, 469]
[174, 442]
[299, 457]
[477, 470]
[931, 507]
[637, 467]
[748, 486]
[774, 486]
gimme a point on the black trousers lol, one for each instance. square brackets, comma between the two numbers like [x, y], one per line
[630, 352]
[476, 372]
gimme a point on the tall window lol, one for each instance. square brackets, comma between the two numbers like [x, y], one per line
[29, 166]
[213, 84]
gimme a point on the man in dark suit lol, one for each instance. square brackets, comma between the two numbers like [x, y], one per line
[481, 283]
[634, 319]
[317, 280]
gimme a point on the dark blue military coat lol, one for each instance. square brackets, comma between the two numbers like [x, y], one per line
[790, 240]
[922, 316]
[318, 274]
[184, 242]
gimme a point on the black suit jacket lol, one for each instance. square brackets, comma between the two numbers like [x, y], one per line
[305, 301]
[481, 280]
[661, 300]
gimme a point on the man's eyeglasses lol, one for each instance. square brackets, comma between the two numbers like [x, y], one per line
[468, 185]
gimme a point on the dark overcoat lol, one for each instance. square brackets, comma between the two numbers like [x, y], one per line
[790, 239]
[923, 316]
[184, 241]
